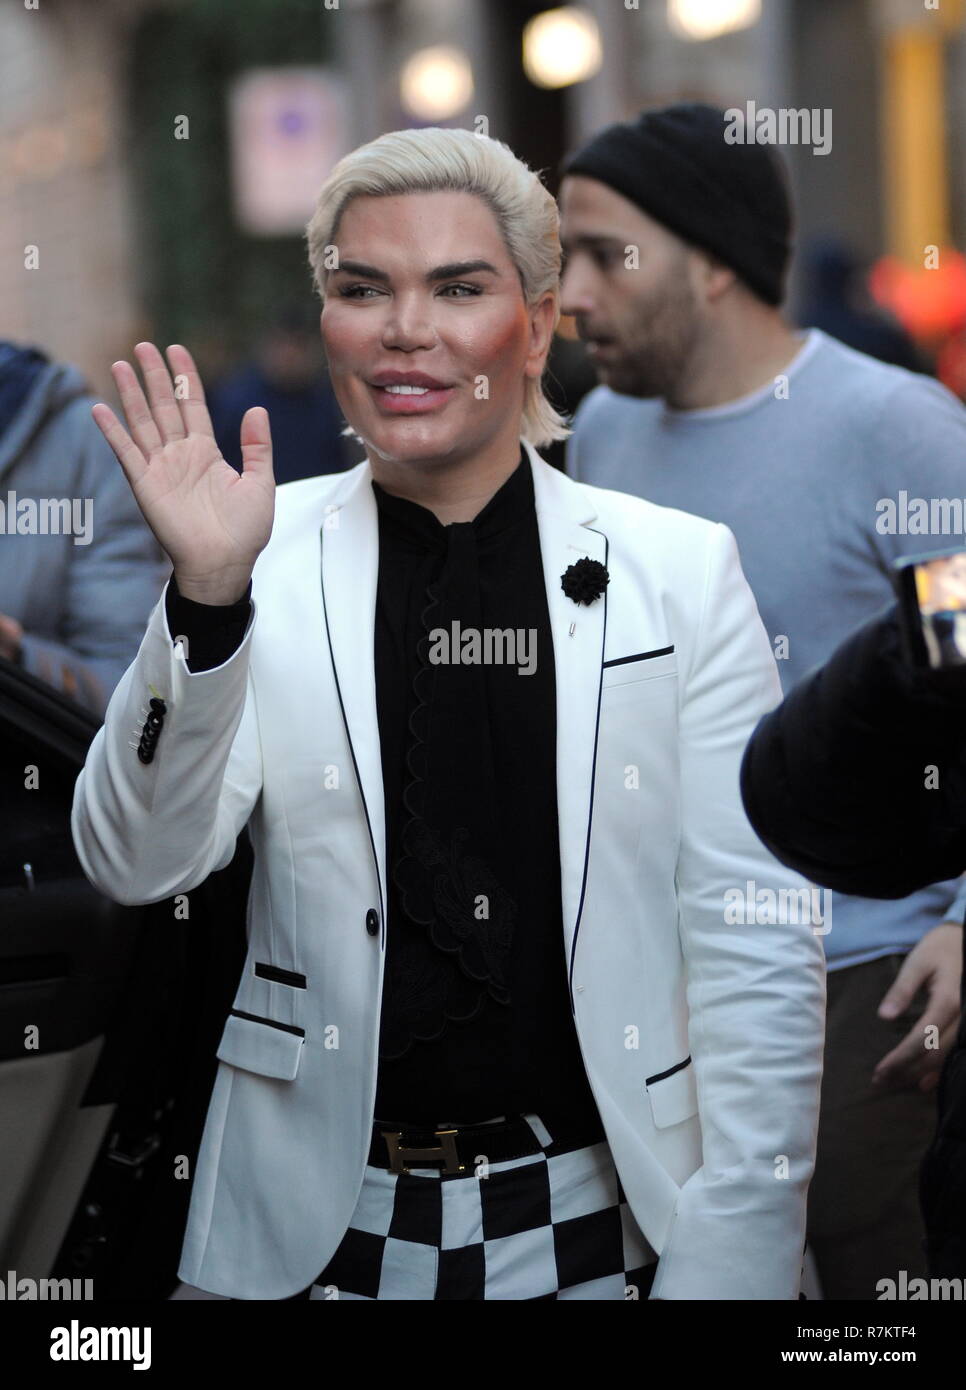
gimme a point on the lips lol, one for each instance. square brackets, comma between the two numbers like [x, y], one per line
[384, 379]
[593, 342]
[414, 395]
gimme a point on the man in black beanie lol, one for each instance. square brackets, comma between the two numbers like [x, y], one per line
[677, 239]
[659, 189]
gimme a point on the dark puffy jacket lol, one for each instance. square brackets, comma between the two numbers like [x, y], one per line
[834, 781]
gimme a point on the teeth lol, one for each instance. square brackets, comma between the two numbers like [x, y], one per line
[407, 390]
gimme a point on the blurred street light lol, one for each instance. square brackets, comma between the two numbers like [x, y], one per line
[436, 83]
[706, 19]
[561, 47]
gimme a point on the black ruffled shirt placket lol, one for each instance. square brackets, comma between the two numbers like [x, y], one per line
[475, 1018]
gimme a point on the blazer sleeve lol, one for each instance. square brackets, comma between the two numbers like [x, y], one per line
[144, 831]
[755, 988]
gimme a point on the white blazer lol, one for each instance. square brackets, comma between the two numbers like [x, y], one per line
[702, 1038]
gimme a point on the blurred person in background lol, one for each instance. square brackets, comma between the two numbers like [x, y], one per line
[836, 298]
[287, 375]
[677, 246]
[79, 569]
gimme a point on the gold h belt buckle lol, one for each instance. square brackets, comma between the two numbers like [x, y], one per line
[446, 1151]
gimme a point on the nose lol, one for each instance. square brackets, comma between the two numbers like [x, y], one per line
[409, 324]
[575, 290]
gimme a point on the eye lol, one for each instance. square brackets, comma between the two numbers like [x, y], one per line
[470, 290]
[352, 291]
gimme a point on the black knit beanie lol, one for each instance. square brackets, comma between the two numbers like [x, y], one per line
[730, 199]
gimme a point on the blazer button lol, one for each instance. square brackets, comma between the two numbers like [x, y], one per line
[372, 922]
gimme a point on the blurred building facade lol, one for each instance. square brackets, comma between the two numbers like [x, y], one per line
[133, 239]
[67, 245]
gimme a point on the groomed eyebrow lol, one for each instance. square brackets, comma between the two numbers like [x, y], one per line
[590, 239]
[440, 272]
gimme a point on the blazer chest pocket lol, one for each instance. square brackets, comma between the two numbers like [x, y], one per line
[640, 666]
[261, 1045]
[673, 1095]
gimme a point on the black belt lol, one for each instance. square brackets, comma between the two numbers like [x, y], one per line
[459, 1147]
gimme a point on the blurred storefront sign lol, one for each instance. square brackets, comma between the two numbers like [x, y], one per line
[287, 128]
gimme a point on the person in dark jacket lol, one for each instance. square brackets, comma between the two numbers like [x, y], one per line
[288, 376]
[858, 781]
[836, 299]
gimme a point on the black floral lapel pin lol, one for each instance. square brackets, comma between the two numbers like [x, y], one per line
[585, 580]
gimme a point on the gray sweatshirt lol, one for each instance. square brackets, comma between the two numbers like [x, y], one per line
[79, 566]
[825, 476]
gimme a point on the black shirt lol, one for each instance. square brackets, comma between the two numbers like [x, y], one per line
[508, 1057]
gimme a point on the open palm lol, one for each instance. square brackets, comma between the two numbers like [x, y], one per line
[211, 521]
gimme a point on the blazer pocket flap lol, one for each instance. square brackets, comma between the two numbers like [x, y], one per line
[262, 1046]
[639, 668]
[673, 1097]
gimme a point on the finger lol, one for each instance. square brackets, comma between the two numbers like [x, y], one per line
[189, 391]
[897, 1060]
[126, 452]
[947, 1040]
[140, 421]
[912, 1050]
[256, 444]
[903, 988]
[932, 1070]
[943, 1007]
[157, 379]
[908, 1050]
[940, 1012]
[927, 1070]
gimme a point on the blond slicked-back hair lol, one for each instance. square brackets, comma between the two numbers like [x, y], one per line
[438, 159]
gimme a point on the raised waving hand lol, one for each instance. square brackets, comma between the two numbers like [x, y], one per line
[211, 521]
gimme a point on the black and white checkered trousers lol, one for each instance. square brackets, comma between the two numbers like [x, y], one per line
[551, 1224]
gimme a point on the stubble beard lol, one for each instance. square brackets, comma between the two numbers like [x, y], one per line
[658, 349]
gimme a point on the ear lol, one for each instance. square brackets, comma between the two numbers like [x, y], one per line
[712, 276]
[542, 315]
